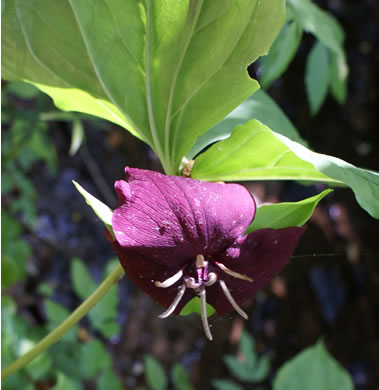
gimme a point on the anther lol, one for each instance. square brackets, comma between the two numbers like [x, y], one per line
[233, 273]
[232, 301]
[170, 281]
[200, 261]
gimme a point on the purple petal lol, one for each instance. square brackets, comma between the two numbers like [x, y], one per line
[259, 255]
[171, 219]
[144, 272]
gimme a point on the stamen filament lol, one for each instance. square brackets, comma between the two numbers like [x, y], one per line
[170, 281]
[175, 302]
[204, 317]
[232, 301]
[233, 273]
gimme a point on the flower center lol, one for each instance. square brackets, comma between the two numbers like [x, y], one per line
[204, 278]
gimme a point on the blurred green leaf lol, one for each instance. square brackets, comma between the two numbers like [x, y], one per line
[22, 90]
[82, 281]
[225, 384]
[281, 53]
[338, 83]
[327, 30]
[56, 314]
[247, 347]
[237, 368]
[194, 306]
[109, 381]
[14, 251]
[285, 214]
[40, 367]
[64, 382]
[313, 368]
[77, 136]
[180, 378]
[101, 210]
[154, 374]
[262, 369]
[319, 23]
[103, 316]
[45, 289]
[94, 358]
[317, 76]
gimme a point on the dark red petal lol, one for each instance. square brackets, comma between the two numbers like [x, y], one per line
[144, 272]
[259, 255]
[171, 219]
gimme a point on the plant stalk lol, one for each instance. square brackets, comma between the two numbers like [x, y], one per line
[66, 325]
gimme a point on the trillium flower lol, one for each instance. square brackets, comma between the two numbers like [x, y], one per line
[178, 238]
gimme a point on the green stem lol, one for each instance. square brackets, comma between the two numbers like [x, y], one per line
[66, 325]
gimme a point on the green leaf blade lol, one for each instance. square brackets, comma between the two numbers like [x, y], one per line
[155, 374]
[103, 212]
[258, 106]
[313, 368]
[281, 53]
[317, 76]
[253, 153]
[164, 70]
[285, 214]
[363, 182]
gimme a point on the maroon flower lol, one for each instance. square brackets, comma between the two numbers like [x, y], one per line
[178, 238]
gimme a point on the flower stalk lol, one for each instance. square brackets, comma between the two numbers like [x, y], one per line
[66, 325]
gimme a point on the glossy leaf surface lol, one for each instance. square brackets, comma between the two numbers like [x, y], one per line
[285, 214]
[165, 70]
[253, 153]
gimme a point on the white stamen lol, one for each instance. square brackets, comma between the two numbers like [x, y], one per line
[191, 283]
[170, 281]
[200, 261]
[212, 279]
[233, 273]
[175, 302]
[204, 317]
[232, 301]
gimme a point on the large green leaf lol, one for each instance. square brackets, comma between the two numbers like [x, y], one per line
[317, 76]
[253, 152]
[285, 214]
[363, 182]
[166, 70]
[258, 106]
[313, 368]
